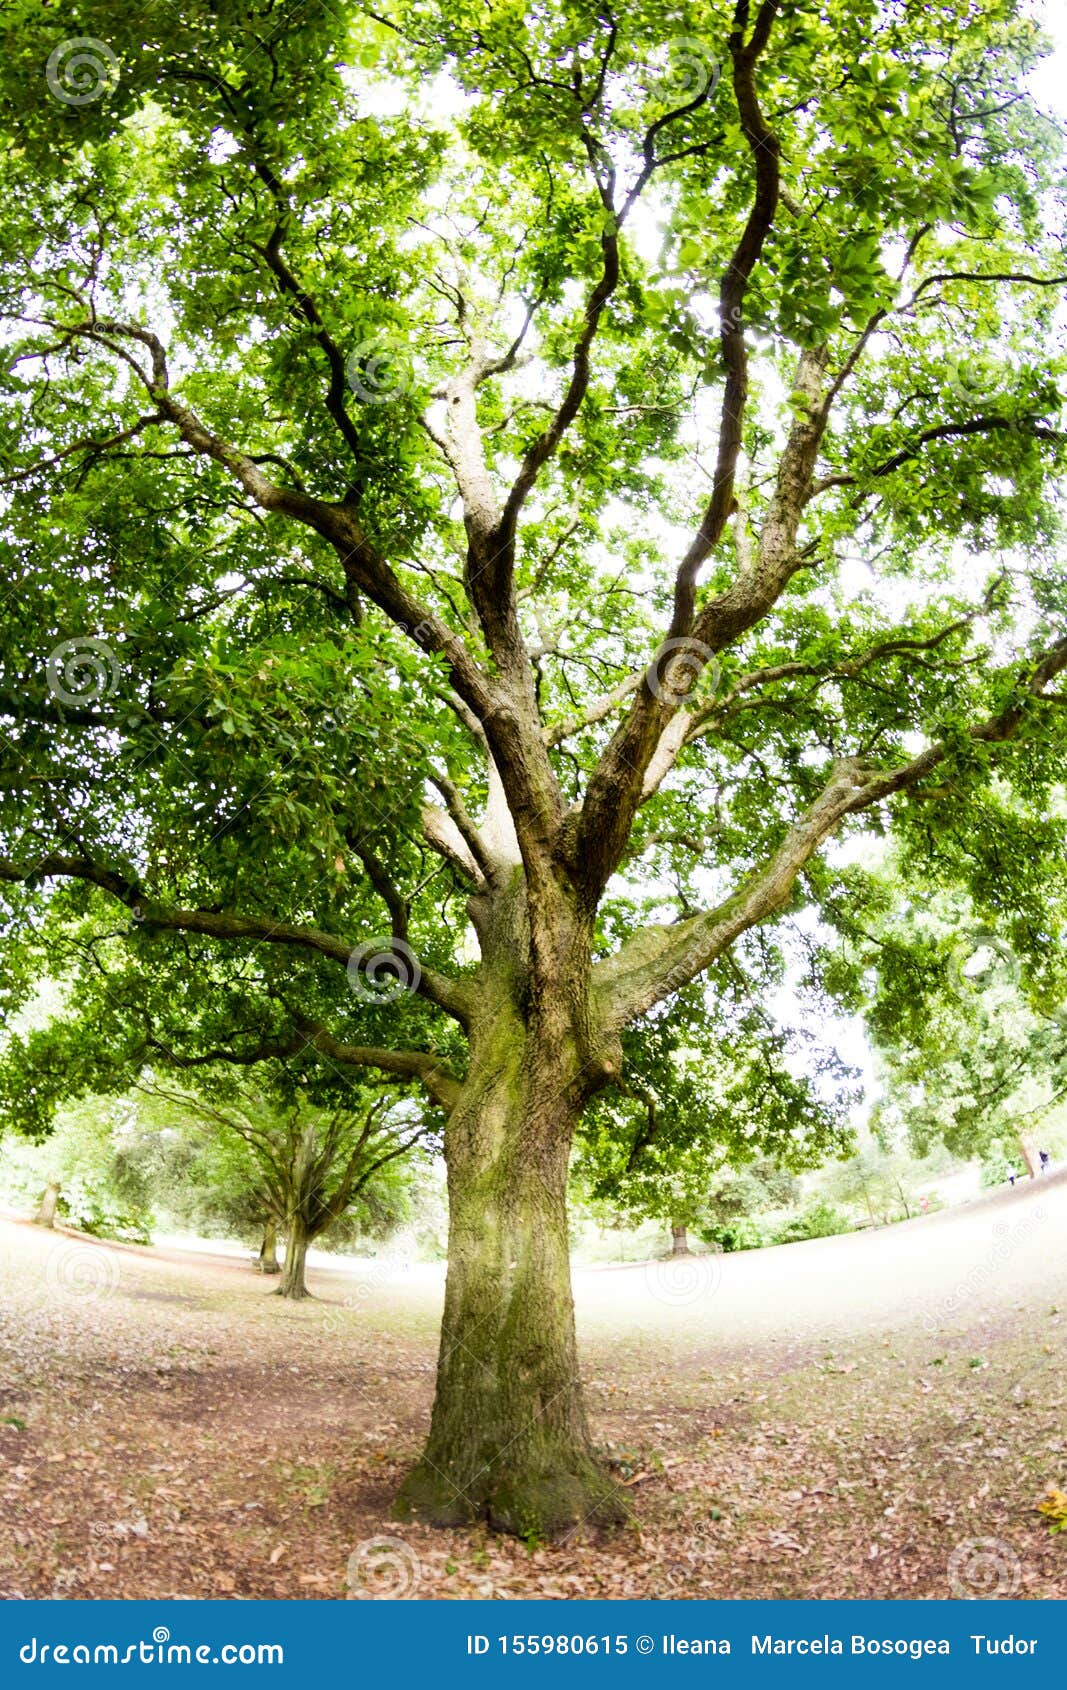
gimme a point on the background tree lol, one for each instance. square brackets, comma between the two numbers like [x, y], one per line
[971, 1038]
[311, 1165]
[91, 1163]
[490, 496]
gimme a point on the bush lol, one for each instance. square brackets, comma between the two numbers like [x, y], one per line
[818, 1220]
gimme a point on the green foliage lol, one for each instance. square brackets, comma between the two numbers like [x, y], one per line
[966, 1015]
[93, 1155]
[817, 1220]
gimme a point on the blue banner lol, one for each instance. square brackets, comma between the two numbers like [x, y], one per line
[548, 1643]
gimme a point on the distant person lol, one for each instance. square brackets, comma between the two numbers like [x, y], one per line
[1044, 1158]
[1013, 1175]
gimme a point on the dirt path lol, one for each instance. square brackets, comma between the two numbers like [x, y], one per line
[849, 1417]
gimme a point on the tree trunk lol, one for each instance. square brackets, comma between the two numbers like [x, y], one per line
[294, 1282]
[1027, 1154]
[268, 1250]
[508, 1438]
[679, 1241]
[46, 1214]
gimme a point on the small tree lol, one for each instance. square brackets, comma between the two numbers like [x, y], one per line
[312, 1165]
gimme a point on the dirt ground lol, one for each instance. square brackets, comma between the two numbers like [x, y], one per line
[875, 1415]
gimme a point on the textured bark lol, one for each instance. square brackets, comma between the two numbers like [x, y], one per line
[294, 1282]
[679, 1241]
[46, 1214]
[509, 1441]
[267, 1261]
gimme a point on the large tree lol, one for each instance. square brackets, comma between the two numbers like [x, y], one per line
[491, 493]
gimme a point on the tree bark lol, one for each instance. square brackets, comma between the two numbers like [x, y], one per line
[294, 1281]
[268, 1250]
[679, 1241]
[509, 1442]
[46, 1214]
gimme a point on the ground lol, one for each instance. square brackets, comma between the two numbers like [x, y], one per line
[876, 1415]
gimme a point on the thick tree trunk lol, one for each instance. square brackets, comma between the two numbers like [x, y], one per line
[679, 1241]
[508, 1440]
[268, 1250]
[294, 1282]
[46, 1214]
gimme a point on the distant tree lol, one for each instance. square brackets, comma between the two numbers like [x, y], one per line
[92, 1174]
[971, 1035]
[311, 1165]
